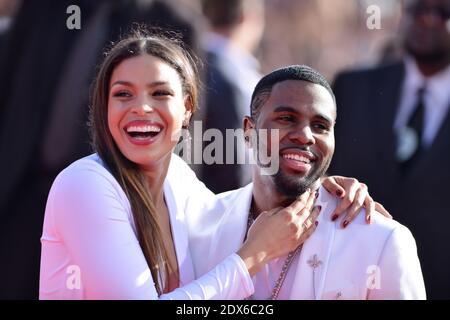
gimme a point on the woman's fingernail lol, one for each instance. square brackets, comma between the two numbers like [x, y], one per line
[316, 223]
[369, 219]
[319, 208]
[339, 193]
[345, 224]
[317, 194]
[334, 217]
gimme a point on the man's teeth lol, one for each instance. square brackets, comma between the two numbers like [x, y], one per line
[296, 157]
[143, 129]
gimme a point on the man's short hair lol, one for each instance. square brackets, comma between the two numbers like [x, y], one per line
[222, 13]
[295, 72]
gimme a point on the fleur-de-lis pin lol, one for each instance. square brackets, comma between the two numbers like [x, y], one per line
[314, 262]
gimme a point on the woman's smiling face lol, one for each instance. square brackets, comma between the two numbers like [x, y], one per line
[146, 109]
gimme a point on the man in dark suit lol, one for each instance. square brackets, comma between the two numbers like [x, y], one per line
[393, 133]
[231, 73]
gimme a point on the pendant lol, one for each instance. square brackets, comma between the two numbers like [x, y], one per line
[407, 144]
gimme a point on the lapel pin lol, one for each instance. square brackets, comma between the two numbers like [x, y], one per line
[314, 263]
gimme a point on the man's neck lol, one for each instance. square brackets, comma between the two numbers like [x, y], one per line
[430, 69]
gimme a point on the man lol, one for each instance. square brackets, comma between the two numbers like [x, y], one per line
[340, 260]
[236, 28]
[393, 133]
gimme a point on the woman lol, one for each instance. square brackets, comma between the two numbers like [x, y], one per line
[113, 225]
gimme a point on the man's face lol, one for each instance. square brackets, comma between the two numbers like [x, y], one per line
[304, 113]
[427, 29]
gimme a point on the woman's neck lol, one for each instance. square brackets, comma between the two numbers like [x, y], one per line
[156, 175]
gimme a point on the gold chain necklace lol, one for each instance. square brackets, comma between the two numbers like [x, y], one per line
[284, 269]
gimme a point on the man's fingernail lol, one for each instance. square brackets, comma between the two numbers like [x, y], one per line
[345, 224]
[339, 193]
[316, 223]
[334, 217]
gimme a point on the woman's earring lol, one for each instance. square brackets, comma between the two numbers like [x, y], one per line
[183, 148]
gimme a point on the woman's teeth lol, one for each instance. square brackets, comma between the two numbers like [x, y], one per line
[143, 131]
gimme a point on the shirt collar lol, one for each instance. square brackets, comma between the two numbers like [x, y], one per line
[437, 85]
[414, 78]
[221, 46]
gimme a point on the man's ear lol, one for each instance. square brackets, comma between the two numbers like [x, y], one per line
[249, 127]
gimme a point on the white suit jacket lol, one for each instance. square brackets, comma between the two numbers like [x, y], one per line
[91, 250]
[377, 261]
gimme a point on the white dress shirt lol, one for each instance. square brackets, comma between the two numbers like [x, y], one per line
[436, 100]
[265, 280]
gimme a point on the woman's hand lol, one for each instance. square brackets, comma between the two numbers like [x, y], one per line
[354, 196]
[277, 232]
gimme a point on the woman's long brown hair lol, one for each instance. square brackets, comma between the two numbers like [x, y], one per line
[127, 173]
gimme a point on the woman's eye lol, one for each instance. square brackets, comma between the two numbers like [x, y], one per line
[161, 93]
[122, 94]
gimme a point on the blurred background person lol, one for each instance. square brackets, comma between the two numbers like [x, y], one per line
[7, 11]
[328, 35]
[308, 32]
[231, 73]
[393, 133]
[46, 73]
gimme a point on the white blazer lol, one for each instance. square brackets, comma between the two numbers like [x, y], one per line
[91, 250]
[377, 261]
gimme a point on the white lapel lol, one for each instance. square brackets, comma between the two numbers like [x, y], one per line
[312, 266]
[233, 224]
[175, 207]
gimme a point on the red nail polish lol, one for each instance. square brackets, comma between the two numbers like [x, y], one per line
[339, 193]
[316, 223]
[317, 194]
[334, 217]
[369, 219]
[345, 224]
